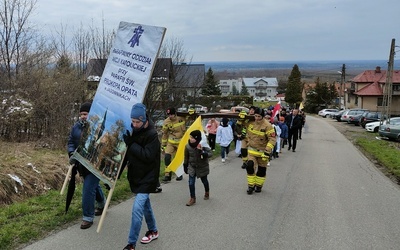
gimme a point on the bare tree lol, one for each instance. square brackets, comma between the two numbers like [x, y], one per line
[15, 36]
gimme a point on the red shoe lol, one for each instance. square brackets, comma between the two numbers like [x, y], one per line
[149, 236]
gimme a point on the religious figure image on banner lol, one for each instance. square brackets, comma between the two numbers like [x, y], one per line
[124, 82]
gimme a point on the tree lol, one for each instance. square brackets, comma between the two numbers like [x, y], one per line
[235, 91]
[210, 86]
[294, 89]
[244, 90]
[15, 38]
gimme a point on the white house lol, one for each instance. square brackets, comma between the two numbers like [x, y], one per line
[261, 88]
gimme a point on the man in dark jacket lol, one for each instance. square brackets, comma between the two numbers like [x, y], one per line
[143, 161]
[293, 121]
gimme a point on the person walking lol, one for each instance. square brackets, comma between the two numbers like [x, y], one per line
[196, 165]
[293, 121]
[261, 142]
[91, 191]
[173, 129]
[241, 133]
[224, 138]
[211, 127]
[303, 122]
[143, 159]
[284, 132]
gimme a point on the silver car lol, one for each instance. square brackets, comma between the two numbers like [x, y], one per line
[350, 113]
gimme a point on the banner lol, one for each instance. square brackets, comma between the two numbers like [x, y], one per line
[123, 83]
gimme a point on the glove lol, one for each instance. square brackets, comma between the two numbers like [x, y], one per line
[163, 149]
[72, 161]
[191, 111]
[204, 154]
[265, 156]
[244, 133]
[185, 168]
[242, 114]
[128, 138]
[107, 186]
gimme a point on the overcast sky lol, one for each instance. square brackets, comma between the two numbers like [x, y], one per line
[247, 30]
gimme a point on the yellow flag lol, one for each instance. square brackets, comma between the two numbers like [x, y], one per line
[176, 164]
[301, 106]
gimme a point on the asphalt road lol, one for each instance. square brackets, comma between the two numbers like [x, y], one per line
[326, 195]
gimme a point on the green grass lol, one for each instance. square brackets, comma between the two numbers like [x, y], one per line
[383, 151]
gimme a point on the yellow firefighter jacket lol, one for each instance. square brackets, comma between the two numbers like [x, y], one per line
[261, 137]
[173, 130]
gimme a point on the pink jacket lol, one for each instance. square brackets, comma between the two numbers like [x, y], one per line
[212, 126]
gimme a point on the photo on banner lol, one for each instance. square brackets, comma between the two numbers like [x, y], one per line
[124, 82]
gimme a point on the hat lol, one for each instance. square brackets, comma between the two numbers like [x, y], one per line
[171, 111]
[138, 111]
[225, 121]
[259, 111]
[85, 107]
[281, 118]
[196, 134]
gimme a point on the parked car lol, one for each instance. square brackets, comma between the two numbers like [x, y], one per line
[199, 108]
[370, 117]
[235, 109]
[374, 126]
[355, 119]
[337, 116]
[327, 112]
[390, 130]
[351, 112]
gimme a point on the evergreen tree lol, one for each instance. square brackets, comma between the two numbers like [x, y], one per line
[235, 90]
[294, 87]
[211, 85]
[244, 90]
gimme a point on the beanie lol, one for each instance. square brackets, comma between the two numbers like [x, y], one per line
[85, 107]
[259, 111]
[171, 111]
[138, 111]
[196, 134]
[225, 122]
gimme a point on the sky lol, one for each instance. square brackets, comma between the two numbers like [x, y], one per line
[245, 30]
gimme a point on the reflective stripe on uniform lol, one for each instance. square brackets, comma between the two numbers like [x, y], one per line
[254, 151]
[174, 140]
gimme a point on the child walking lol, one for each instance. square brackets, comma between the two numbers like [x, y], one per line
[224, 138]
[196, 164]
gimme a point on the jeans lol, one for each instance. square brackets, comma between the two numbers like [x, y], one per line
[141, 206]
[192, 182]
[223, 151]
[211, 140]
[91, 192]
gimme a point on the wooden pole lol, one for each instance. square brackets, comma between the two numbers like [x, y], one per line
[67, 177]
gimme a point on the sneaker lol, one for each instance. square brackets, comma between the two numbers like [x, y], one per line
[158, 189]
[179, 178]
[268, 164]
[129, 247]
[167, 178]
[149, 236]
[226, 157]
[223, 160]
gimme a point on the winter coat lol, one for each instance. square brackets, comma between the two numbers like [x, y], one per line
[212, 126]
[173, 130]
[196, 165]
[143, 160]
[224, 136]
[74, 139]
[284, 130]
[261, 136]
[296, 122]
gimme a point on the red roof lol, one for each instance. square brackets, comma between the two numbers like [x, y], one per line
[370, 89]
[376, 78]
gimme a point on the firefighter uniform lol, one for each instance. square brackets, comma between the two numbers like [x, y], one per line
[173, 129]
[241, 133]
[260, 144]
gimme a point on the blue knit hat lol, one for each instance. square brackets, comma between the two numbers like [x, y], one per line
[138, 111]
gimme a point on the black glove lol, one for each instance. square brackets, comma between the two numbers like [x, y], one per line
[107, 186]
[204, 154]
[185, 168]
[71, 160]
[128, 138]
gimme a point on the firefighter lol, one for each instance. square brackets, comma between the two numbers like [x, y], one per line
[241, 133]
[260, 143]
[173, 129]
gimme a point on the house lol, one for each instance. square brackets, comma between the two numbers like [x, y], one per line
[189, 79]
[227, 86]
[367, 90]
[261, 88]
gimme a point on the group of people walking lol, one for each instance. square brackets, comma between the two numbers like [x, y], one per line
[257, 135]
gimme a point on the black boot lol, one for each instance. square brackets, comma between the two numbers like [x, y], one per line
[250, 190]
[257, 189]
[167, 178]
[179, 178]
[244, 166]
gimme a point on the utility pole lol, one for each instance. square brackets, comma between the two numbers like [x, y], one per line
[388, 91]
[343, 86]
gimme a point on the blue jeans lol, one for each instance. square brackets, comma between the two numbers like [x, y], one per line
[192, 182]
[141, 206]
[224, 150]
[91, 192]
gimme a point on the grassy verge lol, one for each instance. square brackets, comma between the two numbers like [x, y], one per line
[28, 221]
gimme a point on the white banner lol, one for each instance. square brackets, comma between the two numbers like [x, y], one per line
[123, 83]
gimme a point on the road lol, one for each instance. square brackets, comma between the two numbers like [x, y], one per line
[326, 195]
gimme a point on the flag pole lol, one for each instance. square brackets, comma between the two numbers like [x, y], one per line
[103, 215]
[66, 179]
